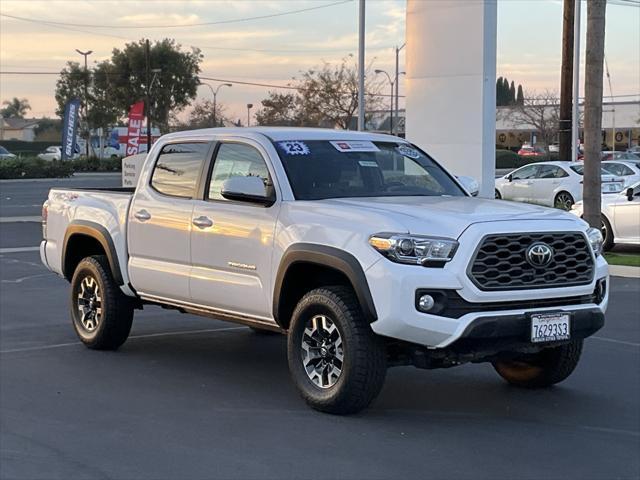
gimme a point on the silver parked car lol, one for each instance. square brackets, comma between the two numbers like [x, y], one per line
[5, 154]
[620, 217]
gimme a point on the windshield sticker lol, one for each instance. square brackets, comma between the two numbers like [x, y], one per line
[408, 151]
[368, 163]
[294, 148]
[355, 146]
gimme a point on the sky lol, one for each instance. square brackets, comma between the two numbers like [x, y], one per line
[274, 50]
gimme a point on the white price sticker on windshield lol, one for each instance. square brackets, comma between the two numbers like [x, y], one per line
[294, 148]
[355, 146]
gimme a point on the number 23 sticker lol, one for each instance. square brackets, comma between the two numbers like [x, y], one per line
[294, 148]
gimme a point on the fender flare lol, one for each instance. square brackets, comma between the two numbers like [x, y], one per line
[331, 257]
[99, 233]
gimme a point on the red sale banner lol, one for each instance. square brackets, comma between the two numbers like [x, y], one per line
[136, 116]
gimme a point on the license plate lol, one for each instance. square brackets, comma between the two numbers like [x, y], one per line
[550, 327]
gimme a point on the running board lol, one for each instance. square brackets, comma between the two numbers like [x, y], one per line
[209, 312]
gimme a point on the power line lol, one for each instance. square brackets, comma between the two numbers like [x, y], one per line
[211, 79]
[202, 24]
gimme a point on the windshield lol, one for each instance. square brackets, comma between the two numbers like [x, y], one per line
[320, 169]
[3, 150]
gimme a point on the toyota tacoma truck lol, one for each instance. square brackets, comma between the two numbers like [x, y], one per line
[359, 247]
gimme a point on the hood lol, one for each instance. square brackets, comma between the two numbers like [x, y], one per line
[448, 216]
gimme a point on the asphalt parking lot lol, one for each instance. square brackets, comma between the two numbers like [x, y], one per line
[188, 397]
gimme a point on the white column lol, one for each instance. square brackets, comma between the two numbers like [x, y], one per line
[451, 85]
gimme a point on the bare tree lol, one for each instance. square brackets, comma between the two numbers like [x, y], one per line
[593, 110]
[540, 111]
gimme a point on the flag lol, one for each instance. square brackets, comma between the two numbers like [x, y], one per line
[136, 116]
[70, 128]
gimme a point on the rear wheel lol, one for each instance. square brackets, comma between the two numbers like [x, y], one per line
[336, 361]
[563, 201]
[542, 369]
[101, 313]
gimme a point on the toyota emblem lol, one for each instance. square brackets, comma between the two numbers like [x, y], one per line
[539, 255]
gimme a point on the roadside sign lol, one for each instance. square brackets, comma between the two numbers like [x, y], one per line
[131, 167]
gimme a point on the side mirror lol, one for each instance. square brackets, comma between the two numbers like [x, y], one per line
[629, 193]
[247, 189]
[469, 184]
[510, 177]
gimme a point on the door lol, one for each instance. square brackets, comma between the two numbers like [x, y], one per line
[627, 217]
[231, 241]
[547, 179]
[160, 222]
[519, 189]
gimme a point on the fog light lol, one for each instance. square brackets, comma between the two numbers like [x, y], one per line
[426, 303]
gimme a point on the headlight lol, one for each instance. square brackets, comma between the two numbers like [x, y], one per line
[595, 239]
[414, 249]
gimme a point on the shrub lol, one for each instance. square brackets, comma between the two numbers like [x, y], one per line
[34, 168]
[94, 164]
[507, 159]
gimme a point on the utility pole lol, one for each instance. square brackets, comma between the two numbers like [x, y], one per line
[564, 127]
[575, 118]
[361, 31]
[593, 87]
[86, 98]
[147, 83]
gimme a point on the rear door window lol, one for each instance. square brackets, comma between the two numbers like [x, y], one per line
[178, 168]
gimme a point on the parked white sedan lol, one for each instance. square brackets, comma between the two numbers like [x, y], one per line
[51, 153]
[620, 217]
[629, 170]
[553, 184]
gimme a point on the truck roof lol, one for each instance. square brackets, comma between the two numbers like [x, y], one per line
[289, 133]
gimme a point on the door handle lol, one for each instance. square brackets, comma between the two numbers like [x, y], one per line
[202, 222]
[142, 215]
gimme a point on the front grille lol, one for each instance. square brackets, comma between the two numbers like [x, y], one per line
[500, 262]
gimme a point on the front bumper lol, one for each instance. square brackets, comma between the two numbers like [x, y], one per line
[394, 288]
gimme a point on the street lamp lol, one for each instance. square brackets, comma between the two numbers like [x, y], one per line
[397, 97]
[215, 95]
[249, 107]
[390, 99]
[86, 96]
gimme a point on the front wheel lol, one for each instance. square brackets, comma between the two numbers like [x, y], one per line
[607, 234]
[101, 313]
[336, 361]
[542, 369]
[497, 195]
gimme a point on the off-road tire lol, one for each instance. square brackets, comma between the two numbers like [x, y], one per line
[116, 316]
[364, 360]
[543, 369]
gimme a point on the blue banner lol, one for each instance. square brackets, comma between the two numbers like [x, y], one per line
[70, 128]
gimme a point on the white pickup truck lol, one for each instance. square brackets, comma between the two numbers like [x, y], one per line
[359, 247]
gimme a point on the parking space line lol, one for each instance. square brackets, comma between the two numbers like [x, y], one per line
[621, 342]
[132, 337]
[19, 249]
[34, 218]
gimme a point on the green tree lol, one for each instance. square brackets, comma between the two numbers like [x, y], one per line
[512, 93]
[70, 85]
[15, 108]
[171, 89]
[520, 97]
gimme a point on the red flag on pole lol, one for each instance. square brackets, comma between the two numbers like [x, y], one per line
[136, 116]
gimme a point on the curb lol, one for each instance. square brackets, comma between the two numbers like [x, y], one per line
[624, 271]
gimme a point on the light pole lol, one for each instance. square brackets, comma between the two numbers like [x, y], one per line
[86, 100]
[249, 107]
[390, 99]
[215, 95]
[397, 97]
[361, 34]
